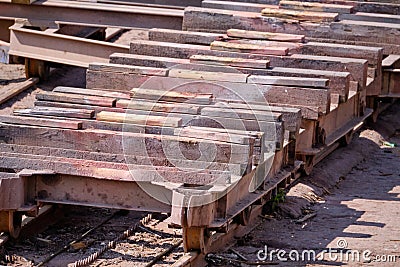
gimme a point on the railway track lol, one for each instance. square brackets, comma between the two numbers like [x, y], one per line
[79, 240]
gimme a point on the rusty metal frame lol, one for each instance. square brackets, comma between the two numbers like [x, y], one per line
[59, 48]
[110, 15]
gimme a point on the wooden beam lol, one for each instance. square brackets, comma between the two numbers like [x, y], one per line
[157, 106]
[9, 92]
[183, 37]
[56, 112]
[43, 122]
[139, 119]
[271, 36]
[248, 48]
[91, 92]
[161, 95]
[311, 6]
[78, 99]
[229, 61]
[289, 81]
[300, 15]
[163, 146]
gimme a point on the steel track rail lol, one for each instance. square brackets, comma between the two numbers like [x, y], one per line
[110, 15]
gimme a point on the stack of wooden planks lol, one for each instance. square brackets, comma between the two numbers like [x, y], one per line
[326, 81]
[337, 24]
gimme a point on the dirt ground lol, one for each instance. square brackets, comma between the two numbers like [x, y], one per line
[359, 213]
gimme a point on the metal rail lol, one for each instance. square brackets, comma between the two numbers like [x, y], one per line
[59, 48]
[110, 15]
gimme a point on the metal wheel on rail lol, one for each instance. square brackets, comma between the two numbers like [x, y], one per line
[11, 222]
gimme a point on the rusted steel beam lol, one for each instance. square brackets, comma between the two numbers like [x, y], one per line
[60, 48]
[122, 16]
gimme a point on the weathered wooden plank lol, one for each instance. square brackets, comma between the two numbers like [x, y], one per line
[227, 112]
[164, 49]
[146, 60]
[128, 143]
[271, 36]
[391, 61]
[183, 37]
[229, 61]
[208, 75]
[292, 47]
[289, 81]
[160, 95]
[215, 20]
[139, 119]
[9, 92]
[311, 6]
[128, 69]
[248, 48]
[307, 112]
[291, 116]
[56, 112]
[115, 171]
[235, 169]
[357, 67]
[339, 82]
[210, 134]
[372, 54]
[92, 92]
[300, 15]
[78, 99]
[43, 122]
[237, 6]
[157, 106]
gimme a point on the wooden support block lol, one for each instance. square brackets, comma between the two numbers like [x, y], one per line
[173, 96]
[43, 122]
[208, 75]
[300, 15]
[92, 92]
[289, 81]
[183, 37]
[56, 112]
[139, 119]
[78, 99]
[271, 36]
[109, 67]
[161, 107]
[321, 7]
[229, 61]
[9, 92]
[248, 48]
